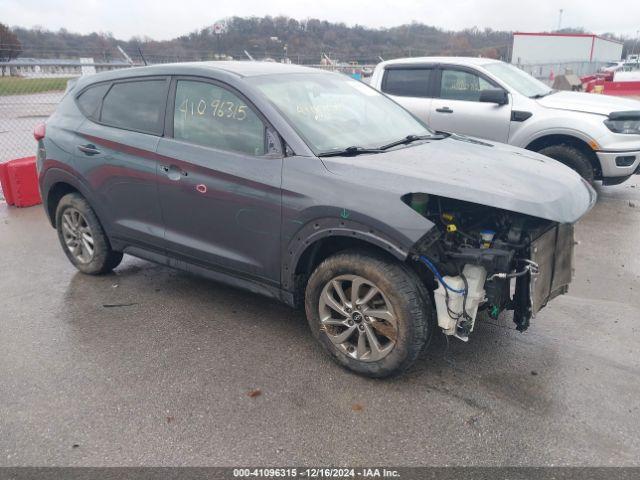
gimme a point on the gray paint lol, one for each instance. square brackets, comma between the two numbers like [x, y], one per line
[491, 174]
[260, 214]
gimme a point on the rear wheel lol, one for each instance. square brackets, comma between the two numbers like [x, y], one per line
[82, 237]
[371, 314]
[573, 158]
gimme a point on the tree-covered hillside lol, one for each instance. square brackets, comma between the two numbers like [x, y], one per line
[303, 41]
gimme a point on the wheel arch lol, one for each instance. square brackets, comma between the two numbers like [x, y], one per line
[54, 195]
[565, 139]
[56, 183]
[324, 237]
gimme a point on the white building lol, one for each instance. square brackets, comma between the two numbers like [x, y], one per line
[537, 48]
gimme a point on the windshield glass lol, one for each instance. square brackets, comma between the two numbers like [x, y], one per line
[334, 112]
[517, 79]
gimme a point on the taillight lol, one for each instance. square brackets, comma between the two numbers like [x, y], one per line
[39, 132]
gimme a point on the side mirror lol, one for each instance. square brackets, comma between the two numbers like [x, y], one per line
[494, 95]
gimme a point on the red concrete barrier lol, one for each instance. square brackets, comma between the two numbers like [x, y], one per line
[19, 180]
[622, 88]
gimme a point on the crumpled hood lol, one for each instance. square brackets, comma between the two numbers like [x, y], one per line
[491, 174]
[588, 103]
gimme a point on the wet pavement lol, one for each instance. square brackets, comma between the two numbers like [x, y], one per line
[150, 366]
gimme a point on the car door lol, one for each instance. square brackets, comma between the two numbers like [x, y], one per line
[411, 86]
[457, 107]
[220, 181]
[115, 151]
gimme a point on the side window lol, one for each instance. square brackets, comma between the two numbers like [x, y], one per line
[91, 99]
[136, 105]
[212, 116]
[461, 85]
[407, 82]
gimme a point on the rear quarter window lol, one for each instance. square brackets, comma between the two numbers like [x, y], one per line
[90, 100]
[407, 82]
[136, 105]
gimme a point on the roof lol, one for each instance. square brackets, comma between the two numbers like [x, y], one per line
[447, 60]
[239, 68]
[558, 34]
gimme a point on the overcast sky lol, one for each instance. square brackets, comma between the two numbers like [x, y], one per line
[162, 19]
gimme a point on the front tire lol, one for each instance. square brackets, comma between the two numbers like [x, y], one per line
[572, 158]
[372, 315]
[82, 237]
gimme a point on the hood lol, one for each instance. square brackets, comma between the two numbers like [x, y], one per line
[588, 103]
[462, 168]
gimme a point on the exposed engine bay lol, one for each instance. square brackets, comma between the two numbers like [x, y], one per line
[485, 258]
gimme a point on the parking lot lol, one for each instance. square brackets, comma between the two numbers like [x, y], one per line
[149, 366]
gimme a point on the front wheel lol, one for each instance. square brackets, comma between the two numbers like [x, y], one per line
[371, 314]
[572, 158]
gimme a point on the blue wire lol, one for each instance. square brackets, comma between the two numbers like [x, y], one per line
[435, 271]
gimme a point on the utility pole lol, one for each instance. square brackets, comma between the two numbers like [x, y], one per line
[635, 44]
[560, 18]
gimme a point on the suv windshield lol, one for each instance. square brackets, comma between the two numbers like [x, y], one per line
[518, 80]
[334, 112]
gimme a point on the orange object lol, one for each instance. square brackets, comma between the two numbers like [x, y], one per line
[19, 179]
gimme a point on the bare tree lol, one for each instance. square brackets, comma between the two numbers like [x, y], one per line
[10, 46]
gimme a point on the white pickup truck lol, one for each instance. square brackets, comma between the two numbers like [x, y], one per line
[596, 135]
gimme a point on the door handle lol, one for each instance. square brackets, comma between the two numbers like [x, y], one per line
[88, 149]
[444, 110]
[173, 172]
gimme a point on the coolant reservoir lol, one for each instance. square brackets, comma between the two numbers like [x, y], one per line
[448, 318]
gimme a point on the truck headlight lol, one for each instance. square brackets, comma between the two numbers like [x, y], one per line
[624, 126]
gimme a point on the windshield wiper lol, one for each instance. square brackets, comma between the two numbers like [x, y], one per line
[349, 151]
[542, 95]
[411, 138]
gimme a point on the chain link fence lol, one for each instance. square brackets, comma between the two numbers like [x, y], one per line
[25, 102]
[30, 89]
[29, 93]
[545, 72]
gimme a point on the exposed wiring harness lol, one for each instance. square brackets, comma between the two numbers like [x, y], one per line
[435, 271]
[452, 314]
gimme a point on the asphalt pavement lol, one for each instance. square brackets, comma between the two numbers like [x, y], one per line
[150, 366]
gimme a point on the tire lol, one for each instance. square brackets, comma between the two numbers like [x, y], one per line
[400, 316]
[572, 158]
[82, 237]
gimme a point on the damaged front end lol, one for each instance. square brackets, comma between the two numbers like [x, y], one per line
[486, 258]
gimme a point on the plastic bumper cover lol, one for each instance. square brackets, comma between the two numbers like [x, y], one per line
[619, 164]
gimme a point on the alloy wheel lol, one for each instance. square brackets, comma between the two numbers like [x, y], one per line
[77, 235]
[357, 318]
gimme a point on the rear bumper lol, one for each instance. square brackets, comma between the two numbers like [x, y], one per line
[620, 163]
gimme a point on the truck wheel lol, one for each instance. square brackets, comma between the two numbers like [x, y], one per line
[82, 237]
[572, 158]
[372, 315]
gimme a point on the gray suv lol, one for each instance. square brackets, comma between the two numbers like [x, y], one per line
[312, 188]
